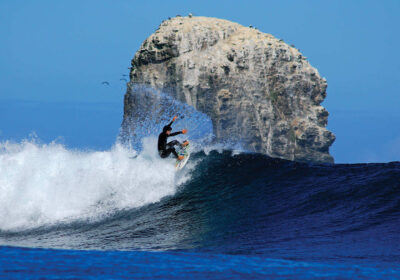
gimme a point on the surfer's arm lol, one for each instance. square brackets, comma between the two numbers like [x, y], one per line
[175, 133]
[174, 118]
[183, 131]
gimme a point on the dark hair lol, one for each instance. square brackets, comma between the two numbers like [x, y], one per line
[166, 128]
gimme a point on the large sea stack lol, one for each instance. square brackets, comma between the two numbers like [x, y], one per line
[256, 89]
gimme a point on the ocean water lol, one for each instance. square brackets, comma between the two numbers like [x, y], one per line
[124, 213]
[116, 214]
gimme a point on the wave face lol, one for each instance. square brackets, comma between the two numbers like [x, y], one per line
[222, 203]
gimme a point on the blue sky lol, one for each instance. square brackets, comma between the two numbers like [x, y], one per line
[55, 54]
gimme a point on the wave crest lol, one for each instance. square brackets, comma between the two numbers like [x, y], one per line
[44, 184]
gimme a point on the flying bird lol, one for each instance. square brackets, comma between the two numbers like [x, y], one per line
[105, 83]
[123, 79]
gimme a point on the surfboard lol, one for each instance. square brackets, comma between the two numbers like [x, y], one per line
[185, 152]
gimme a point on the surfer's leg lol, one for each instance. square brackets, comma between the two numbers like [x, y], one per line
[167, 152]
[174, 152]
[173, 143]
[171, 149]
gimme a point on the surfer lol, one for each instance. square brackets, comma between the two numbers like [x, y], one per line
[164, 148]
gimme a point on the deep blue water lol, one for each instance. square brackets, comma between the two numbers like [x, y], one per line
[238, 216]
[70, 264]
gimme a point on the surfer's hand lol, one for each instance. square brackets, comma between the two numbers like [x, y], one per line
[174, 118]
[184, 131]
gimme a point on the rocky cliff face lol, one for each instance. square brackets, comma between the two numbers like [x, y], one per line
[256, 89]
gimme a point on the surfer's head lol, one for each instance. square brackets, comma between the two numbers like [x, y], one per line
[167, 129]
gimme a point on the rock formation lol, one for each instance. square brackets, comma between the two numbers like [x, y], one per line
[257, 89]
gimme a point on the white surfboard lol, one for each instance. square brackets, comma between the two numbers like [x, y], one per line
[185, 152]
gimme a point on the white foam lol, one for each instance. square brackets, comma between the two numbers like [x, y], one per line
[42, 184]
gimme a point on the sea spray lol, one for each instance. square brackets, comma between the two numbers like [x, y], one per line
[155, 109]
[43, 184]
[46, 184]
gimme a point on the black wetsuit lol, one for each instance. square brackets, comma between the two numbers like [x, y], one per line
[165, 149]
